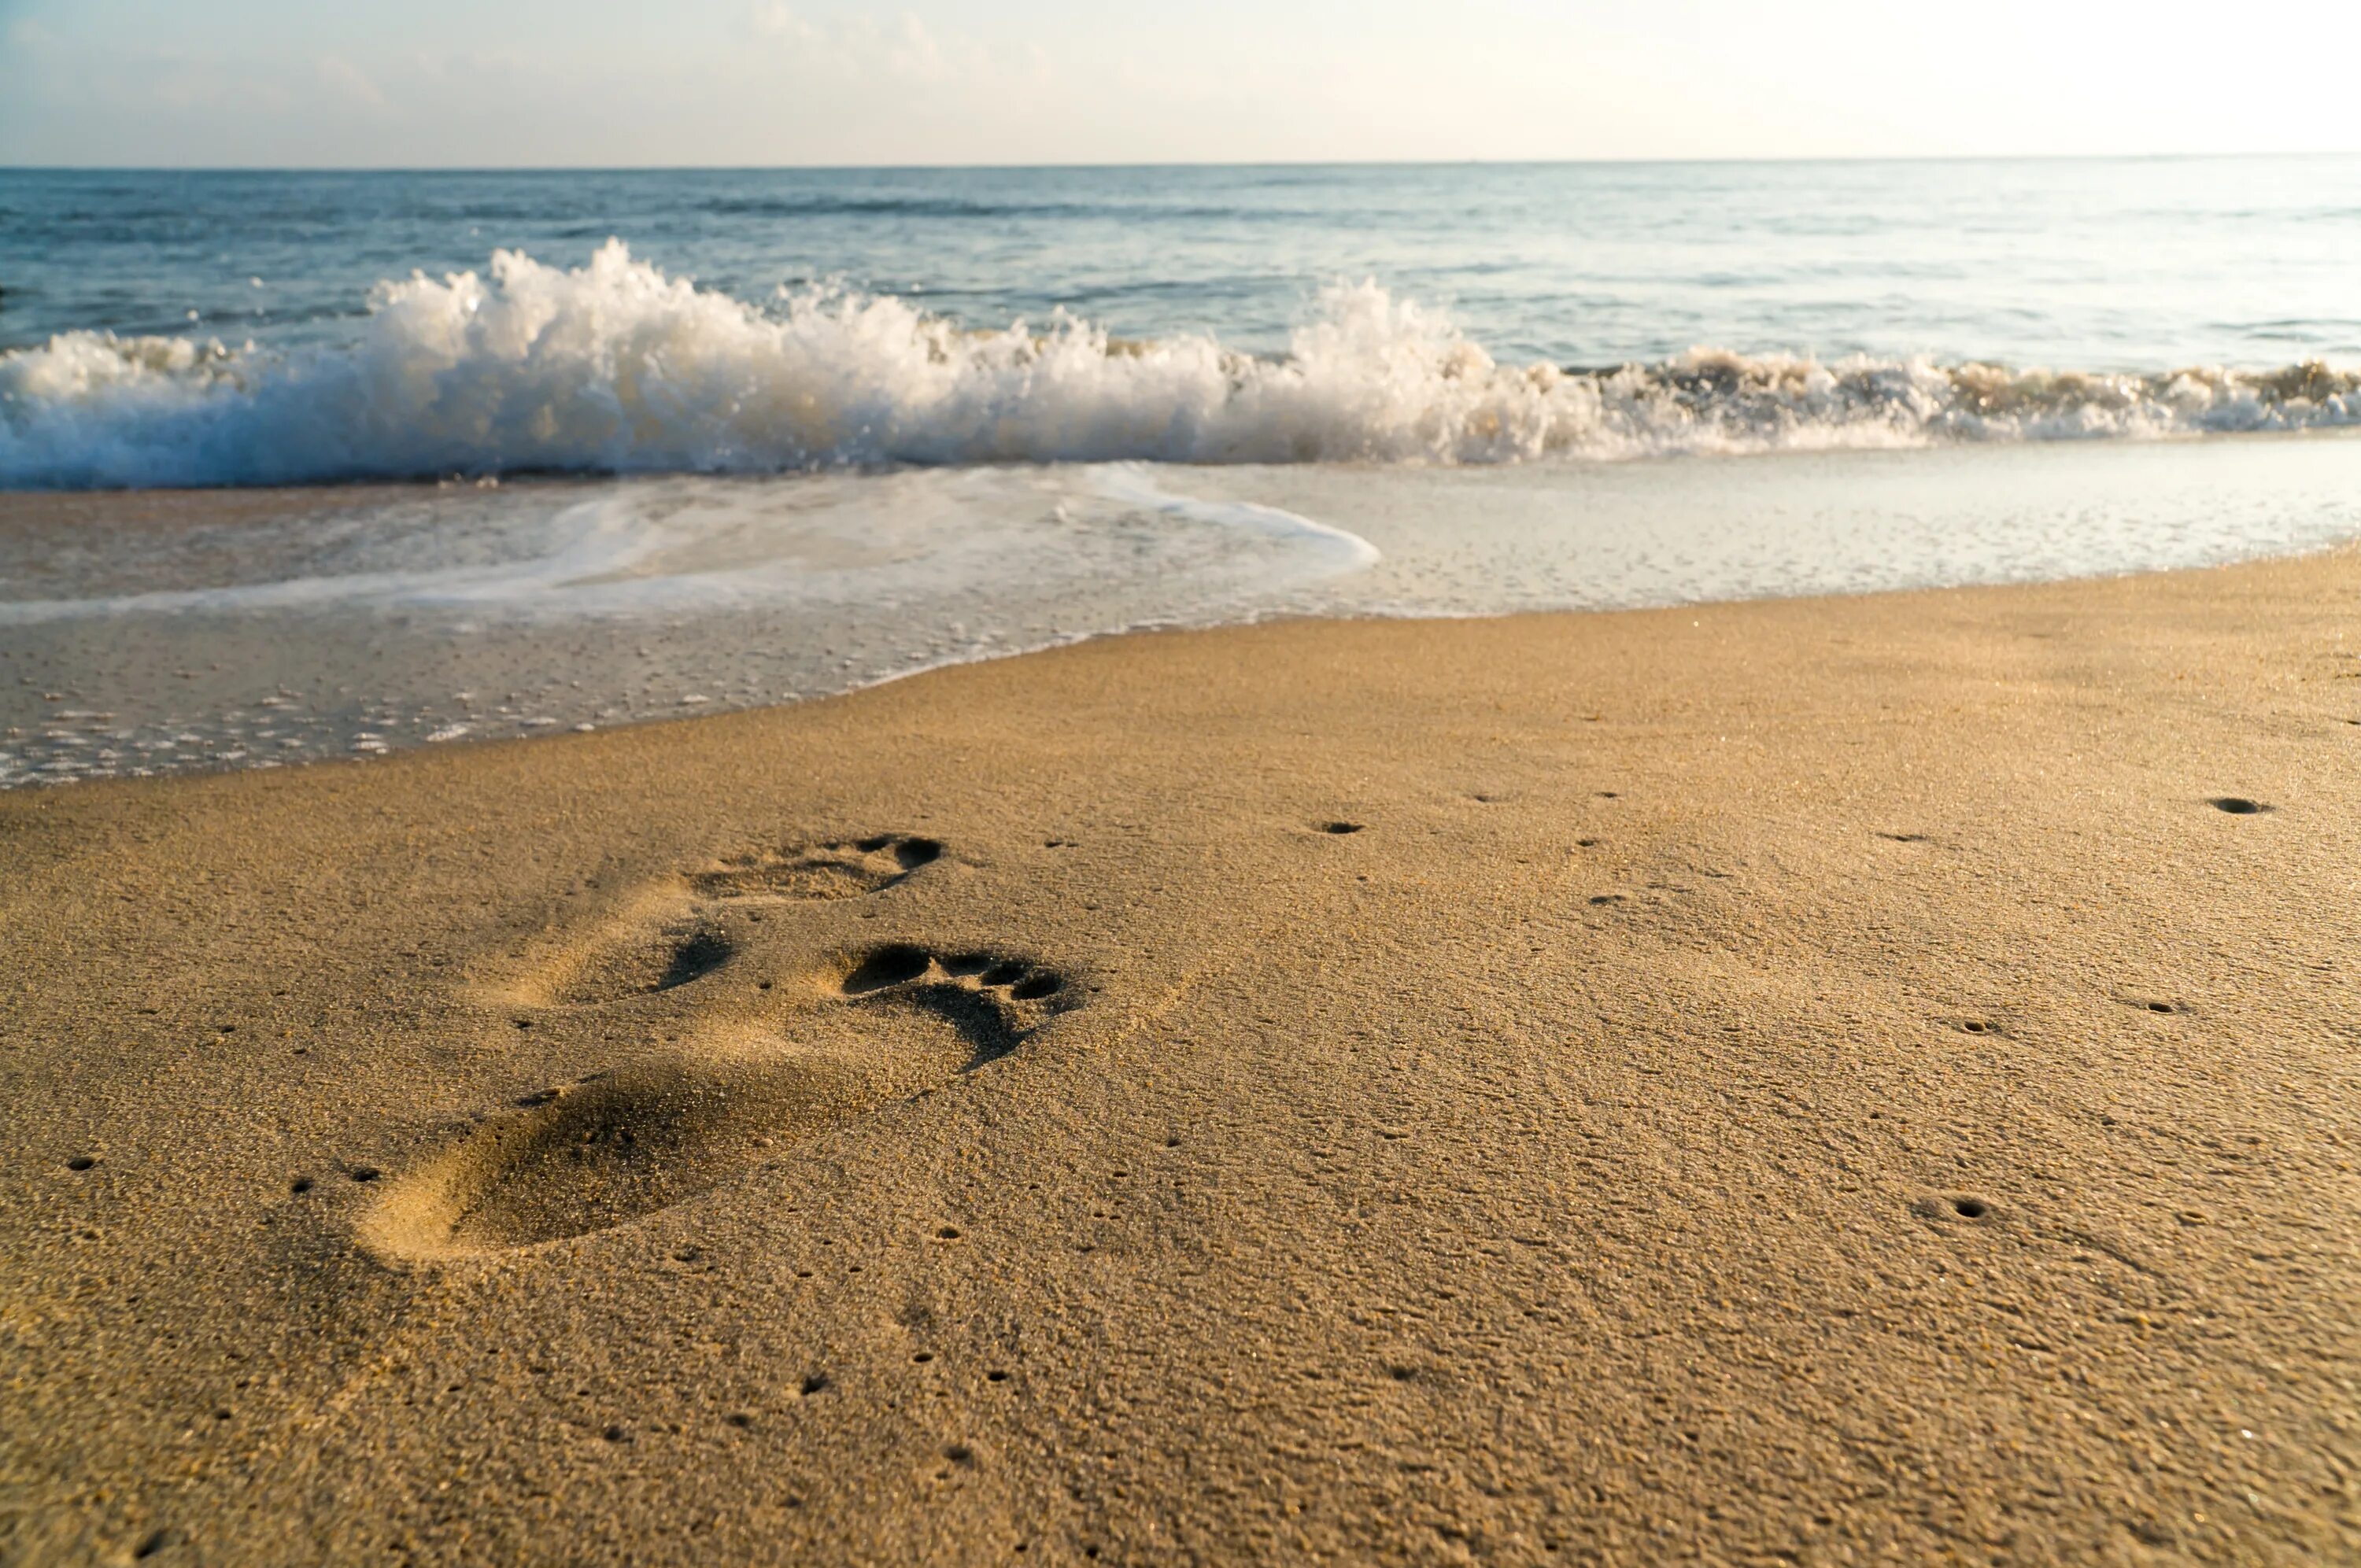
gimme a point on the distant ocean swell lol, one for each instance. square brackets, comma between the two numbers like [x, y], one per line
[614, 368]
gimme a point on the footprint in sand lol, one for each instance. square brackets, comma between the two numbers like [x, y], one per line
[875, 1027]
[676, 933]
[637, 961]
[844, 870]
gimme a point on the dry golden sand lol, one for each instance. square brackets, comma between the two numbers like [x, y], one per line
[1811, 1081]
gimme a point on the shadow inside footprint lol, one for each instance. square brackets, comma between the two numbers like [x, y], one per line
[992, 1002]
[896, 964]
[700, 956]
[655, 1133]
[662, 960]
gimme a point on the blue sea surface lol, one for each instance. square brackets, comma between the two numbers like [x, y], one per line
[2122, 264]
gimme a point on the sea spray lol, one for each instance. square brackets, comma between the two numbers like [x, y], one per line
[616, 368]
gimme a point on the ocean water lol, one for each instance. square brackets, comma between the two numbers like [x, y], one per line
[617, 446]
[208, 329]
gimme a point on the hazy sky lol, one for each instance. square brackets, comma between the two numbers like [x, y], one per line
[506, 83]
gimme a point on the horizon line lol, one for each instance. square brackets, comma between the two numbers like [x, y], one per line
[1766, 159]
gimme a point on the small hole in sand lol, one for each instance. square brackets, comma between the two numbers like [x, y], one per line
[815, 1384]
[1976, 1026]
[364, 1173]
[617, 1434]
[1342, 826]
[1970, 1208]
[300, 1184]
[948, 1232]
[874, 843]
[1003, 973]
[81, 1162]
[2161, 1007]
[740, 1420]
[1032, 988]
[2237, 805]
[923, 1357]
[150, 1544]
[959, 1453]
[995, 1376]
[916, 852]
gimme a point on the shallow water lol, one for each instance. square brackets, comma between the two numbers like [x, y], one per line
[253, 629]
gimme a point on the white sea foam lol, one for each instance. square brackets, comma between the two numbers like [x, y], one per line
[1338, 551]
[615, 367]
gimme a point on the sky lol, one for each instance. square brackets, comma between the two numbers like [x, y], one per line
[509, 84]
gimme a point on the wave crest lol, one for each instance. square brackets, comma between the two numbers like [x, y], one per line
[615, 367]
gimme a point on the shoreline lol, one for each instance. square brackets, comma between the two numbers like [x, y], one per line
[404, 617]
[1808, 1078]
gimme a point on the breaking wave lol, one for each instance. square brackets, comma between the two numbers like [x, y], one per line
[615, 367]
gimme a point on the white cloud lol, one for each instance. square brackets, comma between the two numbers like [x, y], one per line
[914, 53]
[773, 19]
[861, 49]
[341, 75]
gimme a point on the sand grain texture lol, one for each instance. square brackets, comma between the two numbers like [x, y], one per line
[1805, 1082]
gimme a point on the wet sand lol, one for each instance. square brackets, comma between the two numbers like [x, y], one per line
[1838, 1081]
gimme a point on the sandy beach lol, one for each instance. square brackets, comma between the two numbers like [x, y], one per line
[1851, 1081]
